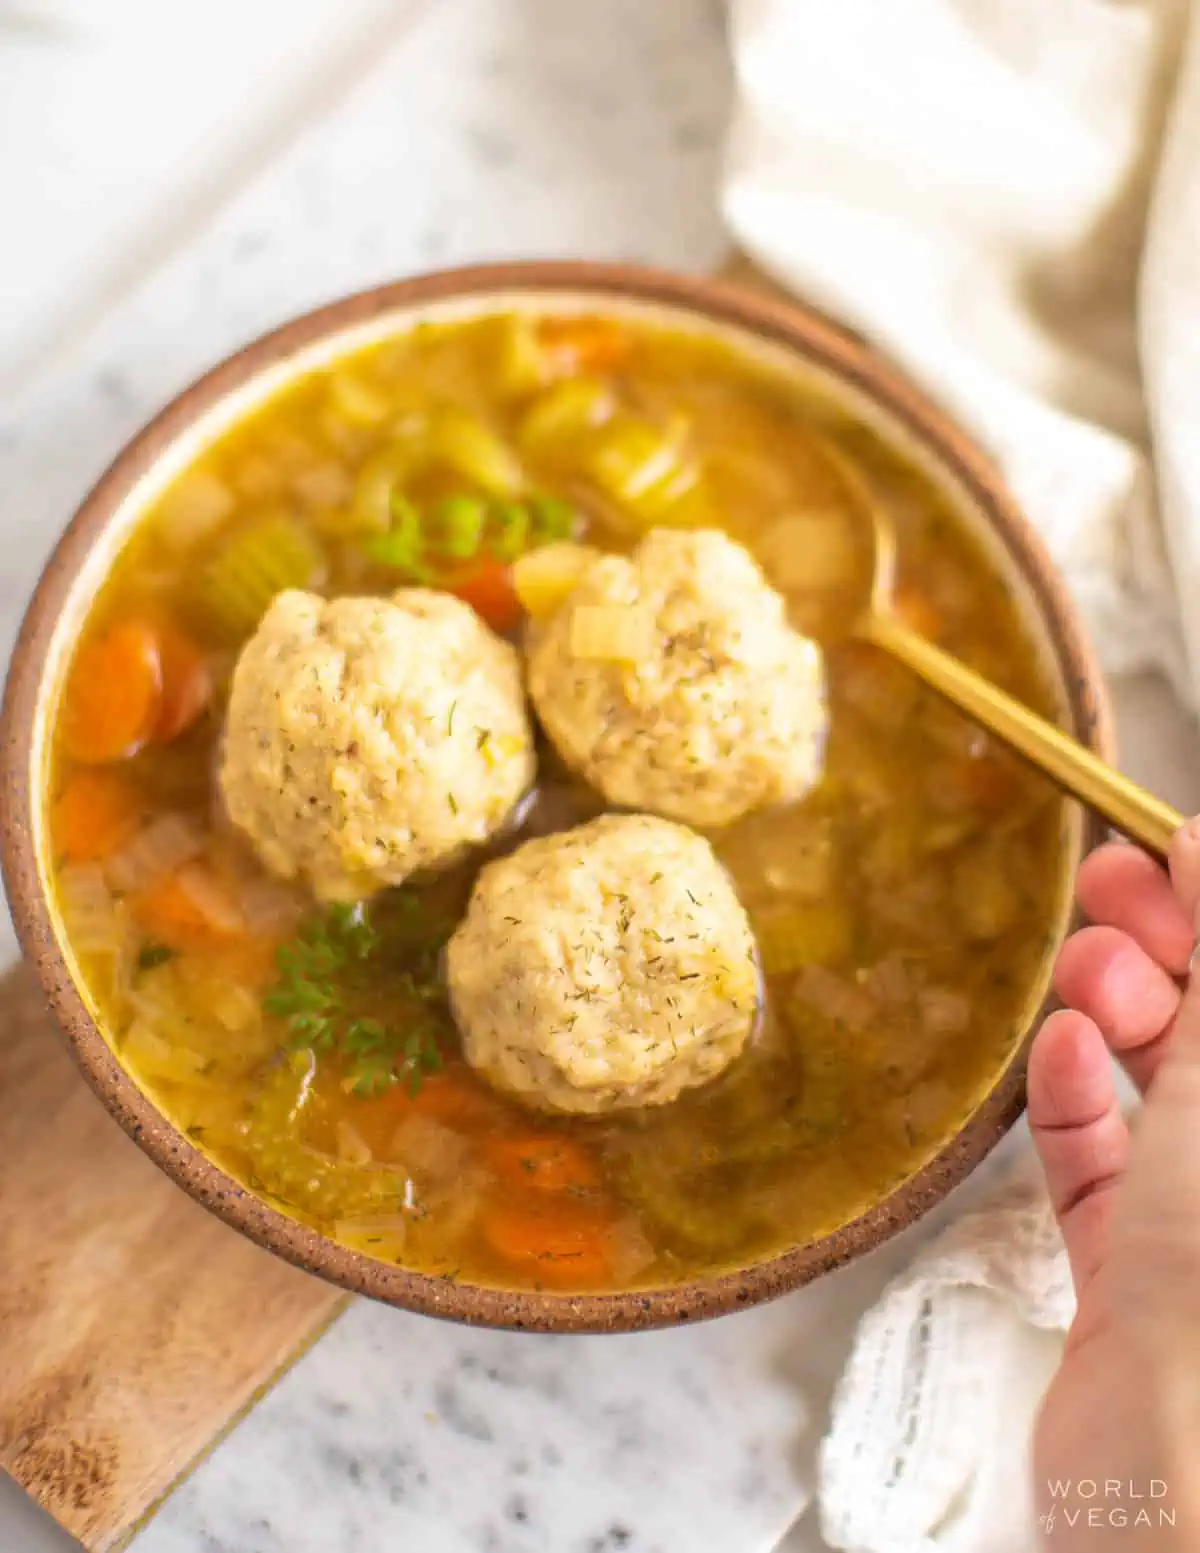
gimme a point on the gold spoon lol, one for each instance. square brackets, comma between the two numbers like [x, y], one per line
[1128, 807]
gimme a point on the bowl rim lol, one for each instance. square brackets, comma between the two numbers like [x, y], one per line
[784, 321]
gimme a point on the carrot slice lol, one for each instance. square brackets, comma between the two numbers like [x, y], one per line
[96, 813]
[189, 909]
[113, 694]
[585, 344]
[187, 685]
[252, 962]
[489, 591]
[542, 1161]
[553, 1240]
[454, 1097]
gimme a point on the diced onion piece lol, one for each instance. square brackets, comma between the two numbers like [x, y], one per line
[811, 552]
[559, 419]
[360, 404]
[268, 908]
[158, 849]
[621, 633]
[835, 997]
[236, 1008]
[632, 1252]
[462, 442]
[149, 1054]
[435, 1154]
[805, 935]
[351, 1145]
[94, 919]
[545, 577]
[258, 479]
[192, 508]
[891, 980]
[323, 486]
[944, 1010]
[382, 1236]
[251, 567]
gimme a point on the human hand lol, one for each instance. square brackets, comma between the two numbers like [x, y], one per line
[1123, 1411]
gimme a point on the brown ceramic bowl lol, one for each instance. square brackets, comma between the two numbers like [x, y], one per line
[797, 340]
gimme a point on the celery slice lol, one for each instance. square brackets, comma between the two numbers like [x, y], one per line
[462, 442]
[249, 567]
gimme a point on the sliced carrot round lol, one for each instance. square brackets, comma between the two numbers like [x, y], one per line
[553, 1240]
[113, 694]
[95, 814]
[585, 344]
[489, 590]
[543, 1161]
[189, 909]
[187, 684]
[454, 1097]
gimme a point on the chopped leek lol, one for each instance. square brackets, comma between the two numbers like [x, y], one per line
[553, 519]
[618, 633]
[513, 523]
[402, 545]
[250, 567]
[458, 523]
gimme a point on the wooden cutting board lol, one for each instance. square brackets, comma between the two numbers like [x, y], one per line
[135, 1328]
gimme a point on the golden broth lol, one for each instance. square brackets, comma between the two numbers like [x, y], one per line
[903, 910]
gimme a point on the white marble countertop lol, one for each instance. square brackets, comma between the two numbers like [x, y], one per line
[174, 197]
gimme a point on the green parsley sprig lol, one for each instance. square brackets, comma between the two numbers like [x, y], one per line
[310, 997]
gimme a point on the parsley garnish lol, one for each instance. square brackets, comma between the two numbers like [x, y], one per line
[306, 998]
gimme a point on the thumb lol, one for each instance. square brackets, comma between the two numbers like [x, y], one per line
[1156, 1222]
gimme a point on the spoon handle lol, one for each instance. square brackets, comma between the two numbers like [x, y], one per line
[1137, 813]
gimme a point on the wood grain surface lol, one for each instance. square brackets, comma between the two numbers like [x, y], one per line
[135, 1328]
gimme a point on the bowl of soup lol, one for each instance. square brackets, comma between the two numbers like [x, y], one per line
[462, 844]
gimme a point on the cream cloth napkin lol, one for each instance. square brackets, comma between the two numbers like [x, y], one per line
[1005, 195]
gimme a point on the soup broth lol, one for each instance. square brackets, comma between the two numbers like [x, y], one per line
[902, 912]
